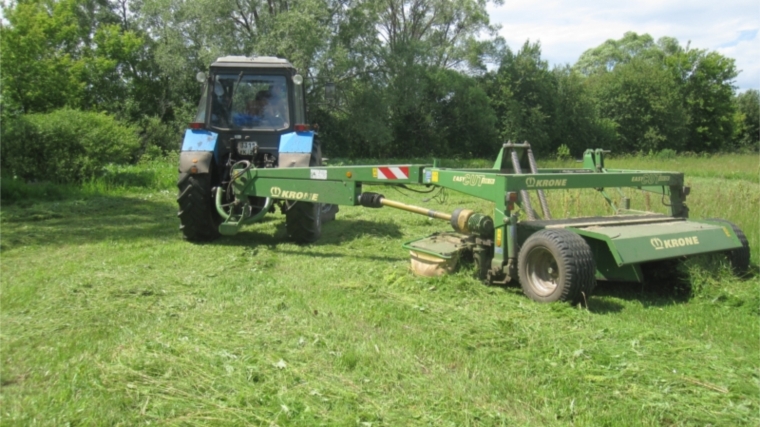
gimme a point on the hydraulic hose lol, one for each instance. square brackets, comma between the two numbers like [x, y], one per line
[254, 218]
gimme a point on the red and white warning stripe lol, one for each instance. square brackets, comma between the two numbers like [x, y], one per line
[393, 172]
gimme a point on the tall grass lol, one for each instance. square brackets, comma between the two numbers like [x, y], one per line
[152, 174]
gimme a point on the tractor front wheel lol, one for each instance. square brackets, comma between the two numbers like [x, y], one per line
[199, 220]
[556, 265]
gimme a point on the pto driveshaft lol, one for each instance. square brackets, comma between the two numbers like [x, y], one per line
[462, 220]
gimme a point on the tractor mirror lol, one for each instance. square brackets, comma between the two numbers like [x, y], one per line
[298, 79]
[201, 77]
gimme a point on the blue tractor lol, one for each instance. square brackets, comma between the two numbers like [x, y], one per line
[253, 113]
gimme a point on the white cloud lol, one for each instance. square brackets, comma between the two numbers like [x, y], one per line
[567, 28]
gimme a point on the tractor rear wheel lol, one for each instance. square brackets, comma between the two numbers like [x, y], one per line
[303, 221]
[556, 265]
[199, 220]
[738, 258]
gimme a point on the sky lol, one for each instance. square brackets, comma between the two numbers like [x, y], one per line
[568, 28]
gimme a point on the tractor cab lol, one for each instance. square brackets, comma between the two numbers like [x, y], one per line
[250, 102]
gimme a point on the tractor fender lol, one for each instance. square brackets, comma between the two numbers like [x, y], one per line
[198, 150]
[296, 149]
[199, 140]
[200, 160]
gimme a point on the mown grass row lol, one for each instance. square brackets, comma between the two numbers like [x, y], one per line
[109, 318]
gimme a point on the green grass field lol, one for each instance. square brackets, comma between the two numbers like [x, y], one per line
[109, 318]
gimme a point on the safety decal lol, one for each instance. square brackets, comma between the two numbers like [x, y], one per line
[393, 172]
[318, 174]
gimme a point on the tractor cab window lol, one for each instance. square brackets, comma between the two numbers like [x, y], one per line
[243, 101]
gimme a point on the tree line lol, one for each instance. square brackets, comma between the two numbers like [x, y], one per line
[413, 77]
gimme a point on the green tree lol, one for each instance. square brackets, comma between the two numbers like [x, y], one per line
[706, 84]
[523, 94]
[418, 40]
[463, 115]
[609, 54]
[400, 50]
[547, 108]
[703, 79]
[644, 102]
[577, 123]
[64, 53]
[747, 134]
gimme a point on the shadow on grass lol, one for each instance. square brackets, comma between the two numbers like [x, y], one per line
[649, 294]
[87, 220]
[344, 255]
[344, 230]
[665, 283]
[334, 233]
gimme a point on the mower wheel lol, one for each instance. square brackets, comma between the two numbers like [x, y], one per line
[739, 258]
[556, 265]
[199, 220]
[303, 221]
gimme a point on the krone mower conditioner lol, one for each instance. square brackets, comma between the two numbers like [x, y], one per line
[249, 150]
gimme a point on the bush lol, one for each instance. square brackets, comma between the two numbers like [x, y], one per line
[65, 145]
[666, 154]
[157, 138]
[563, 152]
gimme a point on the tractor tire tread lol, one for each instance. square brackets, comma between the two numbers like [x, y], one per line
[197, 214]
[303, 222]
